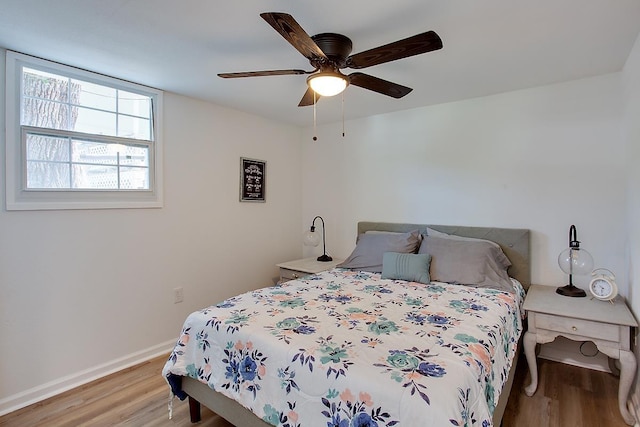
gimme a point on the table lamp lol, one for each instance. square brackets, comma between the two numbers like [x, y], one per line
[574, 260]
[311, 238]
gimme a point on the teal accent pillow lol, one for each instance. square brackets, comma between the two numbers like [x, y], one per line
[411, 267]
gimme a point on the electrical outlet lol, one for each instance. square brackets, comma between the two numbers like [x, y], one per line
[178, 295]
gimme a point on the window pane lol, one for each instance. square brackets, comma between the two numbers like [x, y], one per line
[95, 177]
[131, 127]
[46, 114]
[135, 156]
[96, 122]
[44, 85]
[134, 104]
[47, 175]
[93, 152]
[41, 147]
[56, 102]
[96, 96]
[134, 178]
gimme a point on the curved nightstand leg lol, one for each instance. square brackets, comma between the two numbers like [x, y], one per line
[615, 371]
[529, 341]
[627, 372]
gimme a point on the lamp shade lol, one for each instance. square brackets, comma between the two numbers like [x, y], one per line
[327, 83]
[575, 261]
[311, 238]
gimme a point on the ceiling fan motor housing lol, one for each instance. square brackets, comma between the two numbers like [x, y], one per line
[336, 46]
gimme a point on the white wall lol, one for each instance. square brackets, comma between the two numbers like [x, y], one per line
[631, 76]
[632, 137]
[86, 291]
[542, 158]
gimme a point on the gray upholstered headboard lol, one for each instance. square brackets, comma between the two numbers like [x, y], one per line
[513, 241]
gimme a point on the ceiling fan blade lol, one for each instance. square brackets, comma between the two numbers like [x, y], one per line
[262, 73]
[294, 34]
[308, 98]
[378, 85]
[420, 43]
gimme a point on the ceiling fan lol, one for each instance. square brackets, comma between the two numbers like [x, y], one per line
[328, 53]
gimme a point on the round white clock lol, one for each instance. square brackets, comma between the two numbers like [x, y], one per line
[603, 286]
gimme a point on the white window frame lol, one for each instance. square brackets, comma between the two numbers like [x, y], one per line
[18, 197]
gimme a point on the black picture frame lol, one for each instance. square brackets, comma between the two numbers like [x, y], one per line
[253, 180]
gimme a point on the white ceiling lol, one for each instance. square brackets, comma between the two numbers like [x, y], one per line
[490, 46]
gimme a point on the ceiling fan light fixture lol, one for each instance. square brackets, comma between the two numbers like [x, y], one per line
[327, 83]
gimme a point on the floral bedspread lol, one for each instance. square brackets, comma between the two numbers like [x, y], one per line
[345, 348]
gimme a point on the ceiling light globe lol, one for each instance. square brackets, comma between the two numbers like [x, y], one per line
[327, 84]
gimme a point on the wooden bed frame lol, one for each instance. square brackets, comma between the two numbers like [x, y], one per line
[515, 244]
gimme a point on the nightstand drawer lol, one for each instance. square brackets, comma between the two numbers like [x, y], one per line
[584, 328]
[286, 274]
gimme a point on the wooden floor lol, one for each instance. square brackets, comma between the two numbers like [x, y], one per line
[567, 396]
[135, 397]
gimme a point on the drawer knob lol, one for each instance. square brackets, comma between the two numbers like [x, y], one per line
[573, 328]
[295, 276]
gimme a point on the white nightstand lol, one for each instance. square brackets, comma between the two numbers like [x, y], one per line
[608, 326]
[303, 267]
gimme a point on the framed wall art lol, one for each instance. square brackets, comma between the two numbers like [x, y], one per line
[253, 174]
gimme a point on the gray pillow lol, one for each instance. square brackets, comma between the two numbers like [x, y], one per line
[367, 255]
[502, 258]
[467, 262]
[436, 233]
[410, 267]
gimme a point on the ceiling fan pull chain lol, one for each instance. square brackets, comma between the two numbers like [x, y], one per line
[315, 130]
[343, 114]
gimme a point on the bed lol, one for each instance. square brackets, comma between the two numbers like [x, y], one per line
[350, 347]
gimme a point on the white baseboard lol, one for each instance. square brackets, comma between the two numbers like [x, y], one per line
[52, 388]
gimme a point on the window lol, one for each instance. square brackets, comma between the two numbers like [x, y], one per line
[79, 140]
